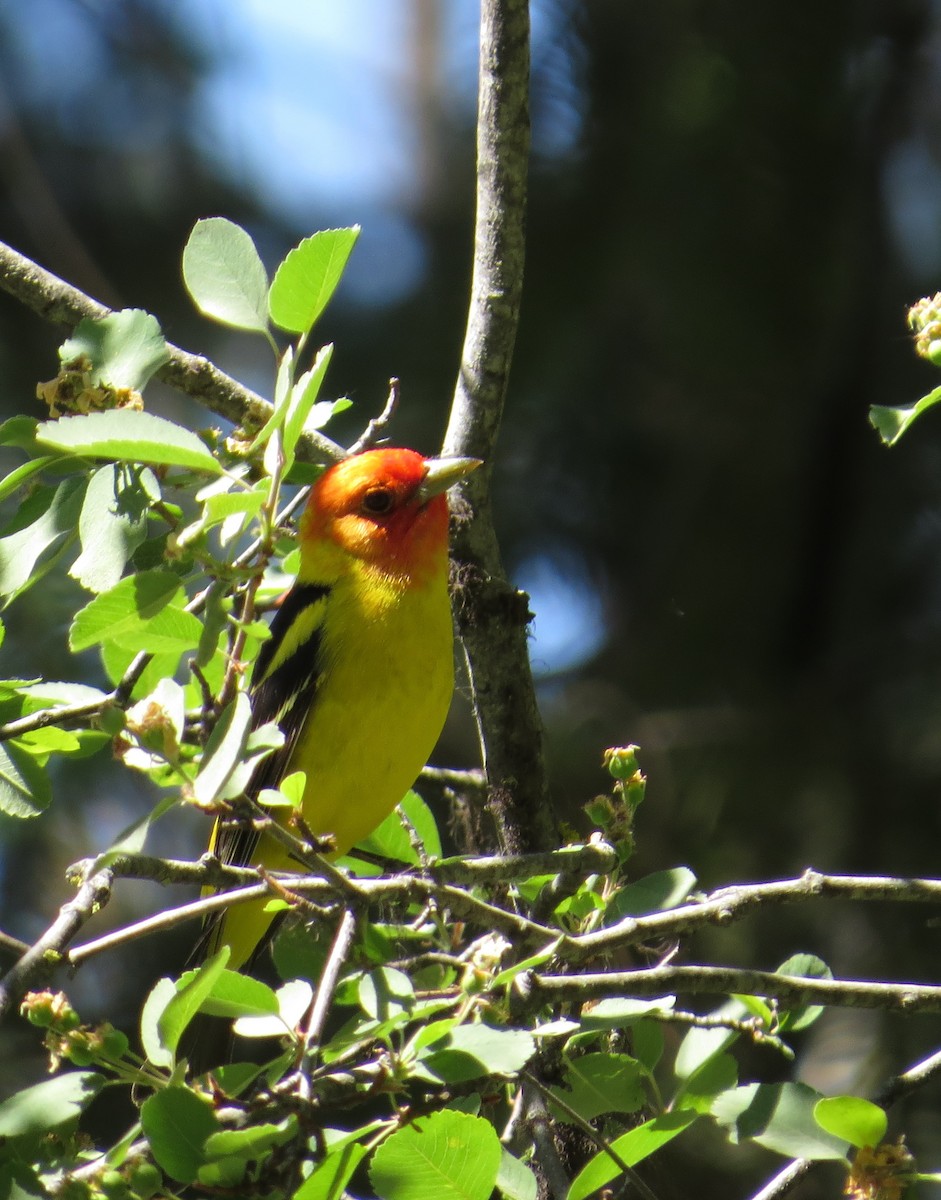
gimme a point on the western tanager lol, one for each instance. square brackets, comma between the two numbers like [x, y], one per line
[358, 671]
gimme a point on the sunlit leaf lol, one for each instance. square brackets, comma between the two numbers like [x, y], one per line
[225, 276]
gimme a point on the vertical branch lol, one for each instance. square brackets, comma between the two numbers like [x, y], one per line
[492, 616]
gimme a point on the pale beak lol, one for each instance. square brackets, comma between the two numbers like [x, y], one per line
[442, 473]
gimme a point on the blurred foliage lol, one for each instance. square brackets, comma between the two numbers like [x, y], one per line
[721, 255]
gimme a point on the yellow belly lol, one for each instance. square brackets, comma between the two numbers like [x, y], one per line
[384, 694]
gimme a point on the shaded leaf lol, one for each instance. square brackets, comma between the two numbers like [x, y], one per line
[46, 1105]
[25, 790]
[654, 893]
[778, 1116]
[601, 1083]
[47, 519]
[124, 348]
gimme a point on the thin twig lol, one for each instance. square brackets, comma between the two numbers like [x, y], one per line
[329, 977]
[377, 426]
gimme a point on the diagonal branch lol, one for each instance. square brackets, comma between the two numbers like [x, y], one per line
[59, 302]
[492, 615]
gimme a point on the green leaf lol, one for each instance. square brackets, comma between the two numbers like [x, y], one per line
[717, 1074]
[515, 1180]
[225, 276]
[469, 1051]
[619, 1011]
[188, 999]
[177, 1123]
[631, 1148]
[303, 396]
[235, 995]
[124, 348]
[305, 281]
[602, 1083]
[857, 1121]
[447, 1156]
[385, 992]
[891, 423]
[47, 519]
[112, 525]
[699, 1045]
[294, 999]
[24, 786]
[128, 436]
[807, 966]
[23, 473]
[654, 893]
[224, 750]
[157, 1000]
[47, 1105]
[251, 1142]
[329, 1178]
[391, 838]
[778, 1116]
[647, 1042]
[126, 615]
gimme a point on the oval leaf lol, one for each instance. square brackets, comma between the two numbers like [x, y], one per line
[631, 1148]
[225, 276]
[37, 1109]
[857, 1121]
[447, 1156]
[177, 1124]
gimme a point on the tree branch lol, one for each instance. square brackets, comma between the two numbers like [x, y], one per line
[793, 991]
[492, 616]
[57, 301]
[43, 956]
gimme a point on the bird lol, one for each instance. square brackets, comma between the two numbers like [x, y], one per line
[358, 670]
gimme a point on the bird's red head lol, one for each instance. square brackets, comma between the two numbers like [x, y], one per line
[386, 507]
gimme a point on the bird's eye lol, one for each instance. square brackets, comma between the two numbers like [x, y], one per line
[378, 501]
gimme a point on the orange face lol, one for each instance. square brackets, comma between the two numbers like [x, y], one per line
[369, 507]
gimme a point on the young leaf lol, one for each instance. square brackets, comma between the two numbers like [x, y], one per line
[128, 436]
[447, 1156]
[305, 281]
[124, 348]
[631, 1148]
[224, 275]
[303, 396]
[891, 423]
[177, 1123]
[857, 1121]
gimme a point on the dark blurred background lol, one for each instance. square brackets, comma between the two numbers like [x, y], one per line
[731, 207]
